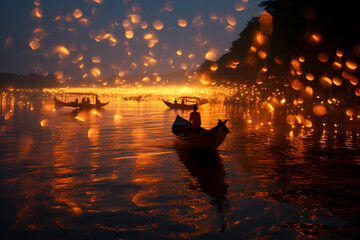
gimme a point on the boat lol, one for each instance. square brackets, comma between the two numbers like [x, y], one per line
[179, 105]
[186, 102]
[203, 139]
[88, 101]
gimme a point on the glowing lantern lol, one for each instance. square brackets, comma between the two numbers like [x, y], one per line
[351, 65]
[95, 72]
[179, 52]
[169, 6]
[230, 19]
[290, 119]
[34, 45]
[354, 80]
[135, 18]
[182, 22]
[297, 85]
[349, 112]
[307, 123]
[212, 54]
[337, 81]
[308, 92]
[214, 67]
[357, 92]
[309, 76]
[58, 75]
[336, 65]
[323, 57]
[37, 12]
[339, 53]
[44, 122]
[96, 59]
[325, 81]
[319, 110]
[158, 25]
[239, 6]
[77, 13]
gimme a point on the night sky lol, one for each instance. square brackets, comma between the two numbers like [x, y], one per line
[102, 38]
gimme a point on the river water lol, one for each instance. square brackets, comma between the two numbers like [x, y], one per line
[116, 174]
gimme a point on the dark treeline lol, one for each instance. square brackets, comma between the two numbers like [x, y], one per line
[294, 44]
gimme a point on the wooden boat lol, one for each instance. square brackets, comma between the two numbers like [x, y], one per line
[178, 105]
[185, 102]
[82, 105]
[203, 139]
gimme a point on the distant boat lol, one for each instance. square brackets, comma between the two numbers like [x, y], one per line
[208, 140]
[185, 102]
[72, 100]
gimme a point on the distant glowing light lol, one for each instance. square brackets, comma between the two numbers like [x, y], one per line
[96, 59]
[351, 65]
[179, 52]
[77, 13]
[325, 81]
[44, 123]
[158, 25]
[95, 72]
[34, 45]
[319, 110]
[214, 67]
[309, 76]
[37, 12]
[182, 22]
[239, 6]
[323, 57]
[169, 6]
[337, 81]
[231, 19]
[212, 54]
[58, 75]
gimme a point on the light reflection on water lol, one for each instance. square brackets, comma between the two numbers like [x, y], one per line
[115, 174]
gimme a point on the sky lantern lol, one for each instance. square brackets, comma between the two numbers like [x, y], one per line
[182, 22]
[158, 25]
[77, 13]
[212, 54]
[319, 110]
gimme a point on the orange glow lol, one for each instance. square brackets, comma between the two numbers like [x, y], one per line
[337, 81]
[212, 54]
[295, 63]
[307, 123]
[182, 22]
[354, 80]
[44, 123]
[58, 75]
[357, 92]
[129, 34]
[339, 53]
[309, 76]
[323, 57]
[290, 119]
[319, 110]
[231, 19]
[37, 12]
[179, 52]
[62, 51]
[336, 65]
[297, 85]
[325, 81]
[169, 6]
[349, 112]
[262, 54]
[158, 25]
[96, 59]
[34, 45]
[95, 72]
[351, 65]
[239, 6]
[308, 92]
[93, 133]
[260, 38]
[77, 13]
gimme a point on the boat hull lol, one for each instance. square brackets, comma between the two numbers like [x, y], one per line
[179, 105]
[60, 104]
[208, 140]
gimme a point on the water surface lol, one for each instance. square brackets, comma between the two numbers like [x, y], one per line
[116, 174]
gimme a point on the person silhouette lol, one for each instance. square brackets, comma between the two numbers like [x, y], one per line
[195, 120]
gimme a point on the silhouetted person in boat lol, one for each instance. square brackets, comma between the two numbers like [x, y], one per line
[76, 101]
[97, 101]
[88, 101]
[175, 101]
[182, 102]
[195, 120]
[83, 101]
